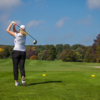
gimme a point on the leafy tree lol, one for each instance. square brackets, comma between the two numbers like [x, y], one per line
[97, 40]
[85, 49]
[63, 54]
[92, 54]
[75, 46]
[66, 46]
[5, 53]
[59, 48]
[71, 56]
[46, 47]
[33, 48]
[78, 57]
[10, 51]
[41, 55]
[46, 54]
[59, 56]
[98, 53]
[89, 57]
[80, 51]
[1, 50]
[30, 52]
[52, 52]
[37, 49]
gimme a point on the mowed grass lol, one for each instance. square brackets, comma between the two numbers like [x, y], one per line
[63, 81]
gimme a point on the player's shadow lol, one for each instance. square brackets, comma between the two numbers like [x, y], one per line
[43, 82]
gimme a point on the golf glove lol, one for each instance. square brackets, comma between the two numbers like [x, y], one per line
[13, 22]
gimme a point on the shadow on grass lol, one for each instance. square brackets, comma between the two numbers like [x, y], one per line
[43, 82]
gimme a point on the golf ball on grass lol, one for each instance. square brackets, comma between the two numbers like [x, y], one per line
[92, 75]
[44, 75]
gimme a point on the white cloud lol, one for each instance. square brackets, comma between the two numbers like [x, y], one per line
[87, 21]
[92, 4]
[35, 23]
[6, 4]
[61, 22]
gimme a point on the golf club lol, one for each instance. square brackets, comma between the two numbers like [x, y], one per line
[35, 41]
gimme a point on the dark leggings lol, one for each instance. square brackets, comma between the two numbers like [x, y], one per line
[18, 58]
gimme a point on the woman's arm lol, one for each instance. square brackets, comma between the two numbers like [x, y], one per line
[14, 29]
[9, 31]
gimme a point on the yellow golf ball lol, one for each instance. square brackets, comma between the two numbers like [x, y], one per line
[92, 75]
[43, 75]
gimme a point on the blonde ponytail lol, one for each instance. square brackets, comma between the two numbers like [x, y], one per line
[23, 32]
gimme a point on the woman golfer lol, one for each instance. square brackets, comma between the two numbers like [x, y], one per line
[19, 52]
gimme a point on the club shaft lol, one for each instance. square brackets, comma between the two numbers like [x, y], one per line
[31, 36]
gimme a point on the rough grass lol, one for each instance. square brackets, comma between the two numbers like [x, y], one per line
[63, 81]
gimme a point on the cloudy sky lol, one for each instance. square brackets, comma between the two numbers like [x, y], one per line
[52, 21]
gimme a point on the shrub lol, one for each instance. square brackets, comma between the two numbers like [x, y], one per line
[30, 53]
[1, 50]
[34, 57]
[6, 53]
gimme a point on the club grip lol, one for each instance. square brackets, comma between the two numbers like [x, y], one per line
[17, 25]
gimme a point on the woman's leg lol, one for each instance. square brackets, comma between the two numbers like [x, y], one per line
[15, 58]
[22, 70]
[22, 66]
[15, 68]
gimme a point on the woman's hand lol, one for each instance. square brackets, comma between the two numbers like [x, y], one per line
[13, 23]
[14, 29]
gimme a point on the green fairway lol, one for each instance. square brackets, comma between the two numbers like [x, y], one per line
[63, 81]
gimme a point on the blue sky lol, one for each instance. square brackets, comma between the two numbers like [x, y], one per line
[52, 21]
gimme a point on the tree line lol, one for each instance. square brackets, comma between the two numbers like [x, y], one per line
[66, 53]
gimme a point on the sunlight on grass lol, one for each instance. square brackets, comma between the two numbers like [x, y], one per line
[62, 81]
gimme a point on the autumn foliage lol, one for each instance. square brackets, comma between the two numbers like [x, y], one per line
[34, 57]
[93, 52]
[66, 53]
[30, 53]
[1, 50]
